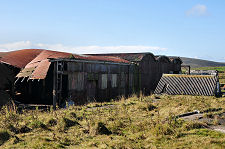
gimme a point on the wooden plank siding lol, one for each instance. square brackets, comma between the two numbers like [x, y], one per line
[151, 70]
[99, 82]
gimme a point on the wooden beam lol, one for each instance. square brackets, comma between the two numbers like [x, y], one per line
[54, 94]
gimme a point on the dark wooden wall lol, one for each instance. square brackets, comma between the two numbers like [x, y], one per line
[35, 91]
[151, 70]
[84, 81]
[99, 81]
[7, 78]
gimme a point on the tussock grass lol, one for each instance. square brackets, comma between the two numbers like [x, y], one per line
[136, 122]
[4, 136]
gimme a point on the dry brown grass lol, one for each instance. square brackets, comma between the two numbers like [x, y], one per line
[146, 122]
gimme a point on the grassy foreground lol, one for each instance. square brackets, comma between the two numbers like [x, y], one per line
[145, 122]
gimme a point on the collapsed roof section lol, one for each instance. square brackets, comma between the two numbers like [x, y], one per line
[39, 66]
[180, 84]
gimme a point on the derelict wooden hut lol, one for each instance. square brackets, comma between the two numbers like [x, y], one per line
[53, 77]
[10, 64]
[47, 77]
[150, 68]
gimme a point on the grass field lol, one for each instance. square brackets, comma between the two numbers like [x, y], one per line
[145, 122]
[221, 71]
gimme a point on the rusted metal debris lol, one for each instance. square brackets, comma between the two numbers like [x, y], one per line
[204, 72]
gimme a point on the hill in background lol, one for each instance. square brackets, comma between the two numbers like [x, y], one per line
[194, 63]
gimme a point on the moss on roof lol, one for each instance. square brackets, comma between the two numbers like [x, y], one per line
[188, 76]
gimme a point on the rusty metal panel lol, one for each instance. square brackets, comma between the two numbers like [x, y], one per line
[135, 57]
[41, 70]
[26, 72]
[20, 58]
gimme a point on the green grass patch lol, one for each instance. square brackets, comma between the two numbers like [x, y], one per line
[209, 133]
[220, 69]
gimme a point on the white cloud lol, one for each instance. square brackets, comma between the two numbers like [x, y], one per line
[15, 45]
[79, 49]
[197, 10]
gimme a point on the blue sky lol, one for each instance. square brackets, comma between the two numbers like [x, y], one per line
[191, 28]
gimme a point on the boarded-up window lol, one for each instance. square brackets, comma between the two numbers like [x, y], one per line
[114, 80]
[104, 81]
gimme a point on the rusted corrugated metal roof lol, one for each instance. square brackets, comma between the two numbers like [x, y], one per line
[137, 57]
[133, 57]
[101, 58]
[26, 72]
[38, 67]
[2, 54]
[187, 85]
[41, 70]
[19, 58]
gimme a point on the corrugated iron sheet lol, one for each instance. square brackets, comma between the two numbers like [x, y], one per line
[187, 85]
[101, 58]
[137, 57]
[38, 67]
[19, 58]
[26, 72]
[133, 57]
[2, 54]
[41, 70]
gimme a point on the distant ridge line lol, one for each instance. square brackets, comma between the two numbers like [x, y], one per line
[195, 63]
